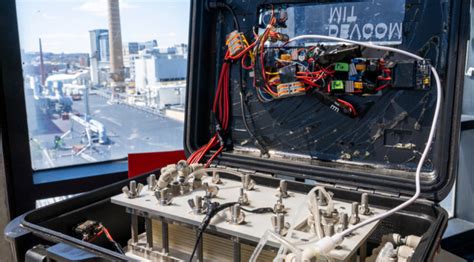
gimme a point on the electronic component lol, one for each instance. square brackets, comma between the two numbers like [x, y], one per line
[342, 53]
[88, 229]
[285, 57]
[291, 89]
[411, 75]
[341, 67]
[235, 43]
[337, 86]
[287, 74]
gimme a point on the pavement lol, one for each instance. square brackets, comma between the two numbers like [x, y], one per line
[130, 130]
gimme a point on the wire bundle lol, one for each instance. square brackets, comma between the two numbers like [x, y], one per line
[221, 110]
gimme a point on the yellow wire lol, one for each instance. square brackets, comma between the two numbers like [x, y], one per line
[272, 73]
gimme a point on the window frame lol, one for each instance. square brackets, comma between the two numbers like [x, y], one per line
[21, 189]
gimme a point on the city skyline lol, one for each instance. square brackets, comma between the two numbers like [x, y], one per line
[140, 22]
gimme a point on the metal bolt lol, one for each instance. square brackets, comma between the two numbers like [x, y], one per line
[236, 216]
[198, 202]
[243, 198]
[164, 197]
[151, 181]
[196, 205]
[355, 214]
[133, 186]
[247, 183]
[279, 225]
[283, 189]
[133, 190]
[364, 205]
[343, 222]
[279, 207]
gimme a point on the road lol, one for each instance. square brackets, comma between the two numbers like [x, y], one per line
[130, 130]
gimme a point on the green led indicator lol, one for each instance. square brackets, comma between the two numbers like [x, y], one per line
[341, 67]
[337, 85]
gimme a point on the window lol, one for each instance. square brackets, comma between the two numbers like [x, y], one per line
[103, 78]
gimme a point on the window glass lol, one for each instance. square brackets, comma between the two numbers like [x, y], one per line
[103, 78]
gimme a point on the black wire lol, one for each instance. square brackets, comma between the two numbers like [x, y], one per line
[117, 247]
[234, 16]
[213, 209]
[242, 105]
[261, 210]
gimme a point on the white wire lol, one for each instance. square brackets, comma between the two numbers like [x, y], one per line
[430, 136]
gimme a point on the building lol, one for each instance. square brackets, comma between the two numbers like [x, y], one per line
[155, 68]
[99, 55]
[131, 52]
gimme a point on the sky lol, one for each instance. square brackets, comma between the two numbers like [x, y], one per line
[63, 25]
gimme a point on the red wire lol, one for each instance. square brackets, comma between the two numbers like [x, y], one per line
[353, 111]
[96, 236]
[214, 156]
[221, 108]
[244, 66]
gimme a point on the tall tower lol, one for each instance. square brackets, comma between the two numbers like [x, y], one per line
[42, 71]
[115, 47]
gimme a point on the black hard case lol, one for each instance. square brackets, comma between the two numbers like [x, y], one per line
[208, 28]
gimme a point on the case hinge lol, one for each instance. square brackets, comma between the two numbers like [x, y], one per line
[387, 194]
[350, 188]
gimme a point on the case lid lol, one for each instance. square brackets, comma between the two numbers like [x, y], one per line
[299, 136]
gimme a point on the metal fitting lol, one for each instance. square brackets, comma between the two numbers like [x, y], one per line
[211, 191]
[322, 201]
[196, 205]
[185, 188]
[216, 178]
[343, 222]
[282, 189]
[164, 196]
[247, 182]
[175, 188]
[328, 230]
[237, 217]
[279, 207]
[134, 189]
[279, 225]
[364, 205]
[355, 214]
[197, 183]
[152, 182]
[243, 199]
